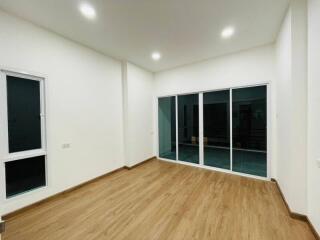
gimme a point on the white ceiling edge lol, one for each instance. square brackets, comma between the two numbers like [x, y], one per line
[121, 59]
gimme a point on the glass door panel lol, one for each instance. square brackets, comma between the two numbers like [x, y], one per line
[167, 127]
[188, 128]
[216, 129]
[249, 130]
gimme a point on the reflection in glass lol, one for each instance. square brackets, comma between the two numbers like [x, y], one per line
[167, 127]
[216, 129]
[24, 175]
[24, 123]
[249, 121]
[188, 128]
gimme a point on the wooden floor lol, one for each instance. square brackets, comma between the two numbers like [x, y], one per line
[160, 200]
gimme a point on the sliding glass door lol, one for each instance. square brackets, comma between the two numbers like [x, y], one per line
[216, 129]
[188, 128]
[167, 127]
[249, 130]
[224, 129]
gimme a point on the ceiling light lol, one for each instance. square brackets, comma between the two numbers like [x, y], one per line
[156, 56]
[227, 32]
[87, 10]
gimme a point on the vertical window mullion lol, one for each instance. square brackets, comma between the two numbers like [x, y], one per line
[177, 129]
[231, 133]
[4, 147]
[201, 145]
[3, 133]
[43, 116]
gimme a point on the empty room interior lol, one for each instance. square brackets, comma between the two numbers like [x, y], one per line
[159, 119]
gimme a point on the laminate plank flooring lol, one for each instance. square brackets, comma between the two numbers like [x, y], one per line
[160, 200]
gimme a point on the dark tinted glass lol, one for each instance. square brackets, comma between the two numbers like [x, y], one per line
[24, 175]
[216, 134]
[249, 121]
[167, 127]
[188, 128]
[24, 123]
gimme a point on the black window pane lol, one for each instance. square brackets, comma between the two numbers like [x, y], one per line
[216, 125]
[188, 128]
[167, 128]
[249, 121]
[24, 175]
[24, 123]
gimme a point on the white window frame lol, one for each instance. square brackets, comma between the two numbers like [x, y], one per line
[201, 147]
[5, 156]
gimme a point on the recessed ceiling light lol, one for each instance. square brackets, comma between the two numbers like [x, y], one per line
[87, 10]
[156, 56]
[227, 32]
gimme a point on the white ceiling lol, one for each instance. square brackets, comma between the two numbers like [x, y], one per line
[184, 31]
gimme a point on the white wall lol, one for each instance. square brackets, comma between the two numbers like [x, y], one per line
[240, 69]
[138, 97]
[254, 66]
[284, 96]
[291, 97]
[314, 114]
[86, 95]
[84, 105]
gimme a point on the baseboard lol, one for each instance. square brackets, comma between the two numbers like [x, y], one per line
[143, 162]
[295, 215]
[2, 227]
[21, 210]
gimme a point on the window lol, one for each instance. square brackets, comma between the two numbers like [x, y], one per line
[24, 175]
[23, 148]
[167, 127]
[222, 129]
[188, 128]
[24, 123]
[216, 129]
[249, 123]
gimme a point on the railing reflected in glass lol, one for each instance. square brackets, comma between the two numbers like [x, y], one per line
[234, 141]
[167, 127]
[216, 129]
[188, 128]
[249, 121]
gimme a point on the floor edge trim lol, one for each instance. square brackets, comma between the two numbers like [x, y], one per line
[14, 213]
[139, 164]
[50, 198]
[295, 215]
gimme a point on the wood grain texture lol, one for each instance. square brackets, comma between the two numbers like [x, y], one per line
[160, 200]
[294, 214]
[137, 165]
[57, 195]
[2, 227]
